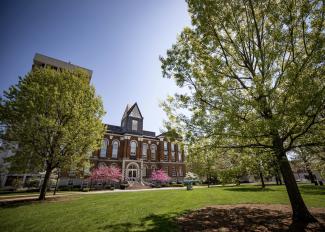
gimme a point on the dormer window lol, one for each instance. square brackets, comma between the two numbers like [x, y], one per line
[134, 125]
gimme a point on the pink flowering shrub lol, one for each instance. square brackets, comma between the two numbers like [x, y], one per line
[106, 174]
[159, 176]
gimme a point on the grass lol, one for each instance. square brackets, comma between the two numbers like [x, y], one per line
[138, 211]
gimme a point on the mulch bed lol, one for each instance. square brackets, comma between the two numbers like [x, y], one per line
[248, 217]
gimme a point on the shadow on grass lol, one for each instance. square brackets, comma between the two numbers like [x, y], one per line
[248, 189]
[23, 202]
[243, 219]
[18, 203]
[153, 222]
[312, 189]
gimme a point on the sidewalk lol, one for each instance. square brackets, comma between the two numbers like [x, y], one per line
[7, 199]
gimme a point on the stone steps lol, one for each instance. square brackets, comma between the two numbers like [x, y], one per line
[137, 185]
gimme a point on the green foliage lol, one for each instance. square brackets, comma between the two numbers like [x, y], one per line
[139, 211]
[229, 176]
[255, 74]
[312, 159]
[55, 117]
[255, 77]
[32, 183]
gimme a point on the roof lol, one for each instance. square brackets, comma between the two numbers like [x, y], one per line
[115, 129]
[42, 59]
[134, 109]
[119, 130]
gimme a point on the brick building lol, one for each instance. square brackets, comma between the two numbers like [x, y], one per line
[138, 152]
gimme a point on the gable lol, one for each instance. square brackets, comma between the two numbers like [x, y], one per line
[135, 112]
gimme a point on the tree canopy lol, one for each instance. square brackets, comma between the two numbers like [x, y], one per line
[255, 73]
[54, 117]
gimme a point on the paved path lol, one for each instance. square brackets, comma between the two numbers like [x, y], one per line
[5, 199]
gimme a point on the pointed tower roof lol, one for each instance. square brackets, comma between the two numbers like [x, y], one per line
[132, 111]
[128, 106]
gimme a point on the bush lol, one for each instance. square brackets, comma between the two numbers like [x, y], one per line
[124, 186]
[165, 185]
[32, 183]
[86, 189]
[177, 185]
[16, 183]
[64, 188]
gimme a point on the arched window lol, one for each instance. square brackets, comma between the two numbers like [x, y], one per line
[133, 149]
[179, 156]
[153, 152]
[115, 149]
[144, 151]
[103, 148]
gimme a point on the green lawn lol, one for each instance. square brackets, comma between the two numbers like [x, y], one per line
[138, 211]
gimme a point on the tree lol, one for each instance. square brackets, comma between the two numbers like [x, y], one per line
[255, 72]
[304, 159]
[191, 176]
[159, 176]
[259, 163]
[202, 161]
[55, 117]
[106, 174]
[230, 167]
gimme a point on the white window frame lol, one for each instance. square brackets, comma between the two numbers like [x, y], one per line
[144, 170]
[134, 125]
[103, 148]
[144, 151]
[166, 156]
[153, 147]
[180, 171]
[165, 146]
[115, 147]
[133, 153]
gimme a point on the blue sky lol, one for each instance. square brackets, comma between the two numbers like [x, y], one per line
[119, 40]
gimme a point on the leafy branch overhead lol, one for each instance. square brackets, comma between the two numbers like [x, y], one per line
[254, 71]
[255, 77]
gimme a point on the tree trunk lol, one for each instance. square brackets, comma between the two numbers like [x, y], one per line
[278, 177]
[311, 175]
[44, 185]
[300, 212]
[262, 180]
[56, 184]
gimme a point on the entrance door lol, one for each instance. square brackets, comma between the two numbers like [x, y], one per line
[132, 172]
